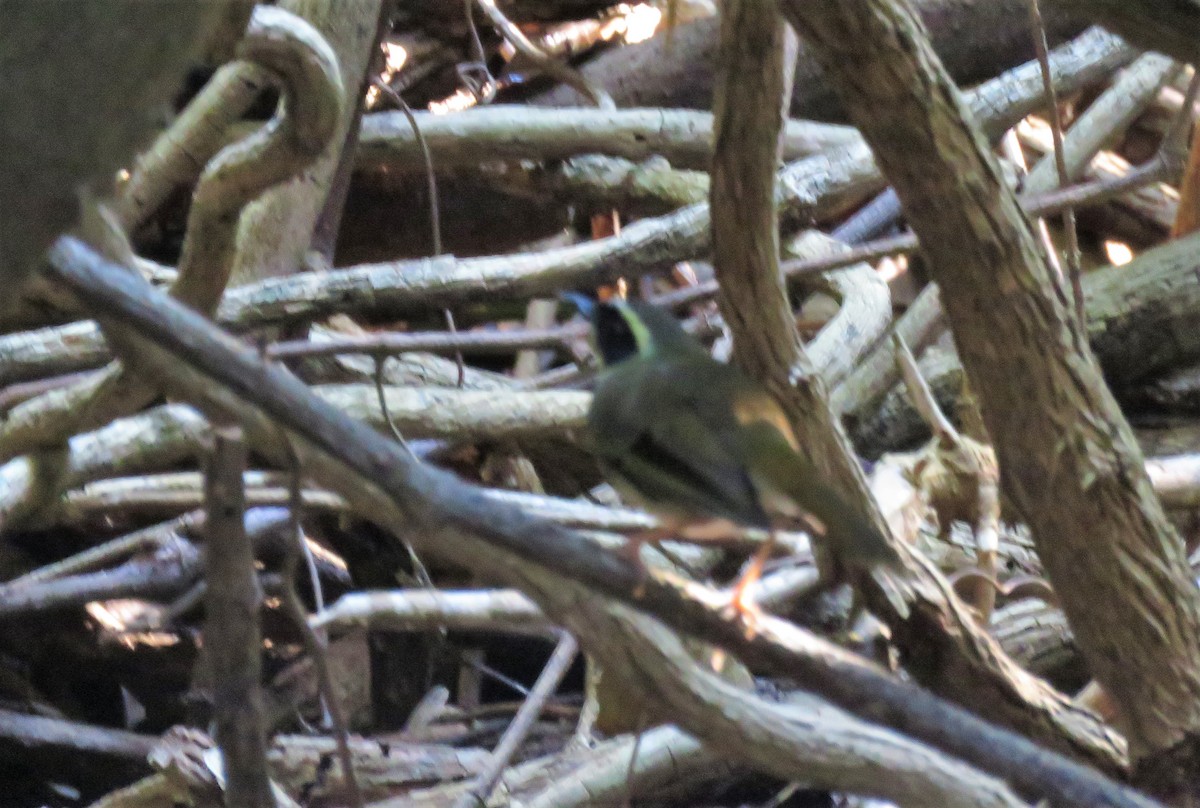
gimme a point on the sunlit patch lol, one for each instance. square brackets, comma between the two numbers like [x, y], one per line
[1034, 127]
[394, 58]
[633, 24]
[462, 99]
[893, 267]
[686, 273]
[1119, 253]
[570, 34]
[116, 617]
[319, 553]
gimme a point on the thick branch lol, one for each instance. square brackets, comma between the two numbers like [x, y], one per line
[927, 620]
[231, 631]
[683, 137]
[454, 520]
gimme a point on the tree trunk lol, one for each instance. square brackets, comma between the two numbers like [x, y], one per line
[1069, 460]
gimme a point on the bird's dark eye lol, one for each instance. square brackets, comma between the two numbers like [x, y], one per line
[614, 338]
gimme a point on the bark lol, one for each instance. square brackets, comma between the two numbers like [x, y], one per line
[1070, 463]
[942, 646]
[232, 636]
[756, 44]
[1141, 317]
[747, 118]
[509, 132]
[329, 222]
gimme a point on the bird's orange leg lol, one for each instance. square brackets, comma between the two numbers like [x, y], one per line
[744, 608]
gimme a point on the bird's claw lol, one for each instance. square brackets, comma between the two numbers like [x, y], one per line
[741, 607]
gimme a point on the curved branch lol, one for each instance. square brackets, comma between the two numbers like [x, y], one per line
[292, 49]
[180, 153]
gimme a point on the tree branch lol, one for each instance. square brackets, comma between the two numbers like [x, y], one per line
[455, 521]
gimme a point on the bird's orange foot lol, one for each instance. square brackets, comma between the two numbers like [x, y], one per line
[744, 608]
[740, 604]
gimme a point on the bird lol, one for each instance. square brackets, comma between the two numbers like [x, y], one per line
[704, 447]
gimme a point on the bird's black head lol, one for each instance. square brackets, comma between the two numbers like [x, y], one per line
[625, 329]
[613, 328]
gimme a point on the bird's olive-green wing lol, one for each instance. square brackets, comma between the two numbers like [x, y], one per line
[662, 427]
[783, 476]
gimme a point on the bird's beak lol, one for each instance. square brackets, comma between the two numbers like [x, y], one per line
[582, 302]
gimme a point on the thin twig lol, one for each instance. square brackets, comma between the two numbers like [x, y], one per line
[419, 570]
[504, 679]
[383, 405]
[313, 641]
[1073, 262]
[547, 682]
[1011, 144]
[180, 606]
[390, 344]
[548, 64]
[922, 397]
[435, 215]
[484, 91]
[631, 769]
